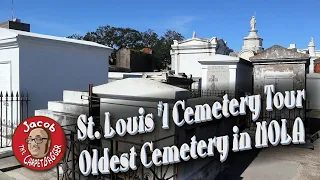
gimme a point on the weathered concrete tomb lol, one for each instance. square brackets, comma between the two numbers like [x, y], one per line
[284, 68]
[122, 99]
[222, 72]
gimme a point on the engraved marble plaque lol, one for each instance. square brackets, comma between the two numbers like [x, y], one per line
[218, 77]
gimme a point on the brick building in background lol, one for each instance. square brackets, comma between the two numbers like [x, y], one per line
[15, 24]
[135, 60]
[317, 65]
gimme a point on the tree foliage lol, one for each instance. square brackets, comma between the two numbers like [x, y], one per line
[117, 38]
[76, 36]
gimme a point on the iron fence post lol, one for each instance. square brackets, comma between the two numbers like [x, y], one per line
[111, 154]
[6, 119]
[11, 108]
[73, 154]
[21, 106]
[17, 105]
[1, 95]
[94, 112]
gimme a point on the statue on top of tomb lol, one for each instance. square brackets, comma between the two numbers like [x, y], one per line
[253, 23]
[311, 43]
[194, 34]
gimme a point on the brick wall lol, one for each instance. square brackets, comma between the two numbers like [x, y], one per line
[4, 24]
[317, 68]
[134, 60]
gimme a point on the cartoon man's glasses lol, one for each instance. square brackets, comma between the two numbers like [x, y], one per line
[36, 140]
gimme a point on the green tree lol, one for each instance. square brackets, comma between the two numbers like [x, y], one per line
[149, 38]
[117, 38]
[170, 35]
[162, 50]
[76, 36]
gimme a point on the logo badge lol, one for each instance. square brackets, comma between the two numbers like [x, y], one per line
[39, 143]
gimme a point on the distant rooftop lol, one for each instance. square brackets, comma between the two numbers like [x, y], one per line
[15, 24]
[7, 33]
[277, 52]
[317, 61]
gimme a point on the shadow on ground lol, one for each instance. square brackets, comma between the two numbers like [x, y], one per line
[237, 163]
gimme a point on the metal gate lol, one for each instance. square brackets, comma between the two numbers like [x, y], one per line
[289, 114]
[13, 110]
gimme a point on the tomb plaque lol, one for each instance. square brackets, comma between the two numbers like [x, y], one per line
[218, 77]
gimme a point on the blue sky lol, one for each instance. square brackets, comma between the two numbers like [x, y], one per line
[279, 22]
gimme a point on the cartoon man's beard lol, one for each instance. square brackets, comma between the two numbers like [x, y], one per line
[35, 147]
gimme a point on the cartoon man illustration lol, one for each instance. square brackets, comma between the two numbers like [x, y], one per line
[39, 142]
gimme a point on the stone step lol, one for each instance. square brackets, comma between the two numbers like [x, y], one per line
[72, 108]
[16, 176]
[4, 176]
[75, 97]
[315, 136]
[9, 163]
[27, 174]
[61, 118]
[6, 152]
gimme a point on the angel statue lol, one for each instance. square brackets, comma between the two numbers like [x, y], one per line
[253, 23]
[194, 34]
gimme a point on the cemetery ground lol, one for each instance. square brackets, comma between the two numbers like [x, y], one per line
[292, 162]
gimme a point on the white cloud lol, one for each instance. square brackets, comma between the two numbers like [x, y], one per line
[179, 23]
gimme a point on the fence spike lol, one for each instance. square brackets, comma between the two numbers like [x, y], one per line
[12, 94]
[27, 96]
[6, 93]
[21, 94]
[17, 94]
[1, 94]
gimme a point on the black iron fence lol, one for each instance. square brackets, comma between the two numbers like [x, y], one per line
[13, 110]
[68, 168]
[289, 114]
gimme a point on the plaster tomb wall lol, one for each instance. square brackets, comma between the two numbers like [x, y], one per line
[188, 64]
[283, 76]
